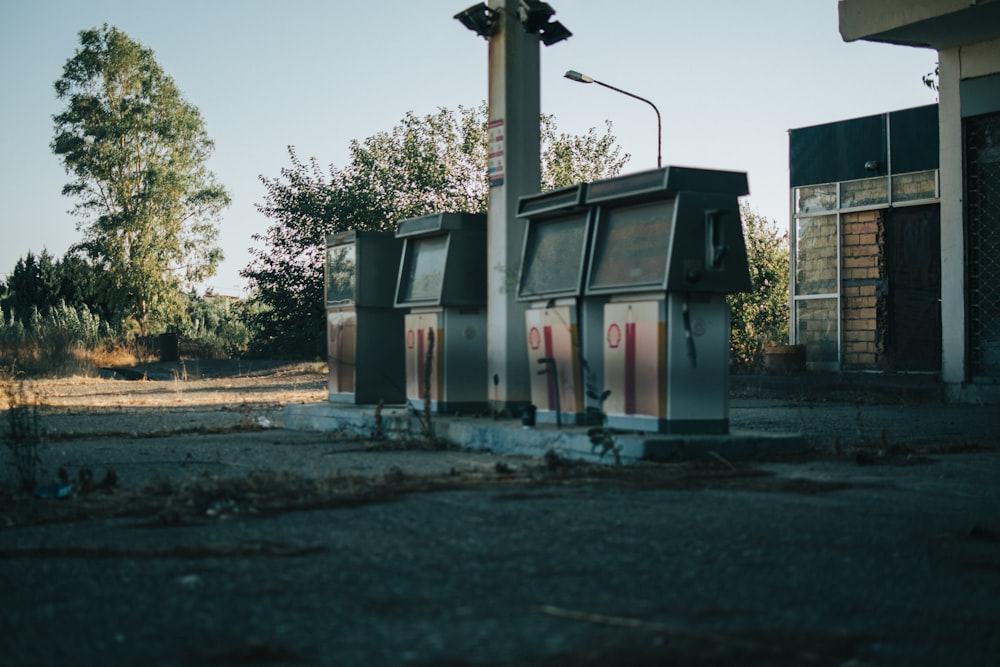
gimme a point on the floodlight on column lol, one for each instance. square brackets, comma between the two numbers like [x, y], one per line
[534, 16]
[554, 32]
[480, 19]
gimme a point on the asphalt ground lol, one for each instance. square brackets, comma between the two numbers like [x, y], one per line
[226, 543]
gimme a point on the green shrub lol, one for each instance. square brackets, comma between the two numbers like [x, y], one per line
[760, 316]
[214, 327]
[63, 341]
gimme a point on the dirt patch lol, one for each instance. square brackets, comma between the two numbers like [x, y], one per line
[195, 384]
[196, 440]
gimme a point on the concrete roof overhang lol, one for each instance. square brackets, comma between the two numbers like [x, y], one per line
[935, 24]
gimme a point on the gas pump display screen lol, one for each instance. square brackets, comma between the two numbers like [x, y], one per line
[632, 246]
[424, 272]
[553, 257]
[341, 273]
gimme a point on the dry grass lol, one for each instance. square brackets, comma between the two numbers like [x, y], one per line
[84, 393]
[116, 356]
[37, 360]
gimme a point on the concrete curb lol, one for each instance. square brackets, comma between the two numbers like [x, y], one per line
[510, 437]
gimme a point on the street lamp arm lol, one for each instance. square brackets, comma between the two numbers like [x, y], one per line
[583, 78]
[659, 120]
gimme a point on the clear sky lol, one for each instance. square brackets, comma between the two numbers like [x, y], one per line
[730, 78]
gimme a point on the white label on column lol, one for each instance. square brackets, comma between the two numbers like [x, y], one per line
[496, 153]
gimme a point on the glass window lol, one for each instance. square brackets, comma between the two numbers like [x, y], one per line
[816, 328]
[816, 198]
[425, 275]
[340, 273]
[913, 186]
[816, 255]
[866, 192]
[553, 257]
[633, 246]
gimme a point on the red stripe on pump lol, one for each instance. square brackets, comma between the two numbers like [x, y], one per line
[551, 377]
[630, 368]
[340, 356]
[421, 370]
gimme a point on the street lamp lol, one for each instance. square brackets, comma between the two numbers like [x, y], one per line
[583, 78]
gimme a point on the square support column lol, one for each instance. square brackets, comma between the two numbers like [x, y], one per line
[514, 112]
[953, 335]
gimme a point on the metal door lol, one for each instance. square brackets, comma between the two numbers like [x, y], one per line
[913, 255]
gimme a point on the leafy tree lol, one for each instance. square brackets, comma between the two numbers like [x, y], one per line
[423, 165]
[33, 285]
[40, 285]
[569, 159]
[84, 285]
[760, 316]
[137, 152]
[286, 275]
[932, 79]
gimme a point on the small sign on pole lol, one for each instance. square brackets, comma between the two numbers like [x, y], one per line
[496, 153]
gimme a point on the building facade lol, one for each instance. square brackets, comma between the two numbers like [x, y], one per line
[966, 35]
[865, 242]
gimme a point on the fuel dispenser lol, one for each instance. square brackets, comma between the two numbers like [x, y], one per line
[553, 260]
[442, 283]
[668, 246]
[363, 326]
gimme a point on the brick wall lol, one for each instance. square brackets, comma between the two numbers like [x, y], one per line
[863, 291]
[816, 259]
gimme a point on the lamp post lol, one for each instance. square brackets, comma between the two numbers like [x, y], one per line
[583, 78]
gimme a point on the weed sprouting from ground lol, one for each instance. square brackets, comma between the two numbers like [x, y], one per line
[22, 432]
[266, 490]
[379, 433]
[601, 436]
